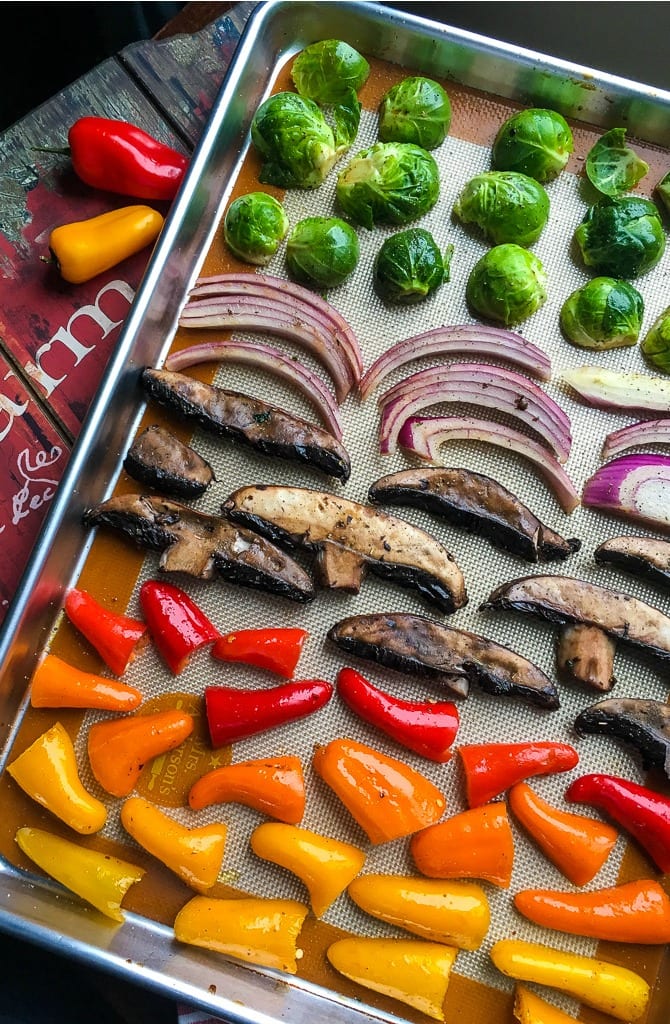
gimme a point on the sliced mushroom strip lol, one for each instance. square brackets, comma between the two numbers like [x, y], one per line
[201, 545]
[584, 654]
[563, 600]
[478, 504]
[350, 538]
[249, 421]
[645, 724]
[455, 658]
[647, 557]
[159, 459]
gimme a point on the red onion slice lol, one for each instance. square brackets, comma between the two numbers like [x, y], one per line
[423, 436]
[265, 357]
[478, 384]
[642, 432]
[609, 389]
[633, 486]
[459, 339]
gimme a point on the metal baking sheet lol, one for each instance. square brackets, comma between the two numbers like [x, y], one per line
[491, 73]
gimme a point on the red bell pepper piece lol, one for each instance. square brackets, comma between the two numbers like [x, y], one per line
[117, 638]
[176, 625]
[234, 714]
[491, 768]
[644, 813]
[120, 157]
[426, 728]
[277, 650]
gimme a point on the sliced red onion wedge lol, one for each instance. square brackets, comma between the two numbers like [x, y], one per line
[642, 432]
[423, 436]
[459, 339]
[478, 384]
[265, 357]
[633, 486]
[610, 389]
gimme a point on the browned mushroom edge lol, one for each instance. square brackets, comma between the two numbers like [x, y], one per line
[642, 723]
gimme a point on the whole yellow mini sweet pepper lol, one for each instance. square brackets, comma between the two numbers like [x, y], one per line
[325, 865]
[86, 248]
[98, 878]
[607, 987]
[261, 931]
[412, 971]
[530, 1009]
[47, 772]
[195, 854]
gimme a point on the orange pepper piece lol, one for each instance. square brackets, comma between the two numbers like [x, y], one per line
[576, 844]
[56, 684]
[387, 797]
[119, 750]
[474, 844]
[273, 787]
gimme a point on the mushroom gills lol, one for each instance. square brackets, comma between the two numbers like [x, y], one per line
[646, 557]
[643, 723]
[160, 460]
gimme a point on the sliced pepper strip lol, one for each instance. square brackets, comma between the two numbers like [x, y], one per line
[98, 878]
[118, 750]
[577, 845]
[116, 638]
[530, 1009]
[492, 768]
[273, 787]
[85, 248]
[477, 843]
[428, 728]
[57, 684]
[234, 714]
[604, 986]
[276, 650]
[176, 625]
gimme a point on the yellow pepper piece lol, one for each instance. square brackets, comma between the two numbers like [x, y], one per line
[261, 931]
[456, 913]
[98, 878]
[195, 854]
[603, 986]
[412, 971]
[86, 248]
[325, 865]
[530, 1009]
[47, 772]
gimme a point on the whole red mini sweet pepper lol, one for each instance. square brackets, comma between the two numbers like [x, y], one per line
[234, 714]
[491, 768]
[644, 813]
[277, 650]
[176, 625]
[117, 638]
[120, 157]
[426, 728]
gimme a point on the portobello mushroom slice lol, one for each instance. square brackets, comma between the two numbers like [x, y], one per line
[476, 503]
[250, 421]
[455, 658]
[350, 538]
[647, 557]
[645, 724]
[584, 654]
[564, 600]
[159, 459]
[202, 545]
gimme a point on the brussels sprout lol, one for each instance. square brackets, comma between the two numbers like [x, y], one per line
[327, 71]
[621, 237]
[409, 266]
[507, 284]
[415, 110]
[613, 167]
[506, 205]
[536, 142]
[604, 314]
[663, 189]
[295, 141]
[656, 343]
[322, 251]
[388, 183]
[254, 226]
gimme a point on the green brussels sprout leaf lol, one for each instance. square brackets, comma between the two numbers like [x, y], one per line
[506, 205]
[294, 140]
[536, 142]
[612, 167]
[328, 71]
[254, 226]
[507, 284]
[322, 251]
[603, 314]
[409, 266]
[663, 189]
[621, 236]
[346, 115]
[388, 183]
[415, 110]
[656, 343]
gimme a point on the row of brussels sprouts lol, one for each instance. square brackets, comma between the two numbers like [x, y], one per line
[301, 135]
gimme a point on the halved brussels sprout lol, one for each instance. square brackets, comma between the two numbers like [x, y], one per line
[656, 343]
[506, 205]
[295, 141]
[388, 183]
[326, 71]
[415, 110]
[663, 189]
[603, 314]
[254, 226]
[536, 141]
[612, 167]
[621, 237]
[409, 266]
[322, 251]
[508, 284]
